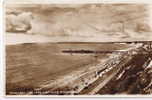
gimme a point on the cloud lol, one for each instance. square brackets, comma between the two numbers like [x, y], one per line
[20, 22]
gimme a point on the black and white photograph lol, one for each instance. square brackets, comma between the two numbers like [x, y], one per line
[92, 49]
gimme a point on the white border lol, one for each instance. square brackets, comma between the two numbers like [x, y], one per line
[3, 49]
[2, 42]
[75, 1]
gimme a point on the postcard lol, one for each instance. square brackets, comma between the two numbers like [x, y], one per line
[78, 49]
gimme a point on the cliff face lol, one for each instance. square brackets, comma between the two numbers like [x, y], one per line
[134, 78]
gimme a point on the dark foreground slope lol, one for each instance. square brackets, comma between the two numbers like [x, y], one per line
[134, 78]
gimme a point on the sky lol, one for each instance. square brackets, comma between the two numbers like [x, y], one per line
[60, 24]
